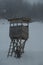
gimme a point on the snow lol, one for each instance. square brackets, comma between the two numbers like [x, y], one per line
[33, 54]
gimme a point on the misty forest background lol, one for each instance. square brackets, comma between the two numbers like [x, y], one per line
[19, 8]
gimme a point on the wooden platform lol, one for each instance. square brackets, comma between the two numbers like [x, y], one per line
[18, 33]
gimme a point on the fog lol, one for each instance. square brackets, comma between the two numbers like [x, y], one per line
[21, 8]
[33, 54]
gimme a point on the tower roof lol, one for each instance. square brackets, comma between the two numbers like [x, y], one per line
[20, 20]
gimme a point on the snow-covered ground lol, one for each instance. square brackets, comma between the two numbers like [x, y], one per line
[33, 54]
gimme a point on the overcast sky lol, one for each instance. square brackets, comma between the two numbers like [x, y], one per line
[34, 1]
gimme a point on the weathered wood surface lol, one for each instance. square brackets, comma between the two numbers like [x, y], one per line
[19, 32]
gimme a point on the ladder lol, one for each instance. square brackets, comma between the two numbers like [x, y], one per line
[11, 48]
[14, 45]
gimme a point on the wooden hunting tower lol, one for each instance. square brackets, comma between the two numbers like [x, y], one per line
[19, 33]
